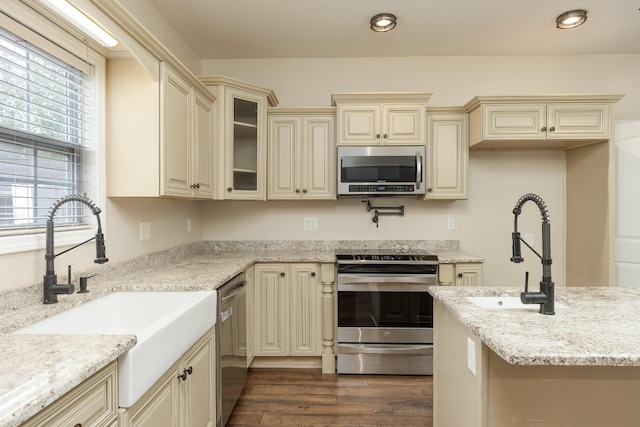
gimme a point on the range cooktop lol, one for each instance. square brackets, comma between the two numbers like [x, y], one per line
[368, 258]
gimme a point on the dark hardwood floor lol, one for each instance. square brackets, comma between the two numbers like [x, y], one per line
[302, 397]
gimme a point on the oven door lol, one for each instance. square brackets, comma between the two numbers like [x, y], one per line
[383, 309]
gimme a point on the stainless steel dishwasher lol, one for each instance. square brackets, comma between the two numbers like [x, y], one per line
[231, 346]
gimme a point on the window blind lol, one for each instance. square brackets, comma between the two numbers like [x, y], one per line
[46, 126]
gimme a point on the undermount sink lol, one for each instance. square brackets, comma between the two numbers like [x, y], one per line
[506, 303]
[165, 324]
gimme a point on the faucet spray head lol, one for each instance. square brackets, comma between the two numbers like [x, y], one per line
[516, 248]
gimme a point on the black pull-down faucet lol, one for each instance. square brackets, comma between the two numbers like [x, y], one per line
[50, 282]
[545, 297]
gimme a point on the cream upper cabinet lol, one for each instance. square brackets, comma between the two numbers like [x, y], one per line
[381, 118]
[302, 155]
[160, 133]
[540, 122]
[287, 310]
[448, 155]
[184, 396]
[242, 138]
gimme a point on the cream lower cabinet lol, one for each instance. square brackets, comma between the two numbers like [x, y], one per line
[288, 310]
[160, 134]
[94, 403]
[184, 396]
[302, 155]
[381, 118]
[448, 155]
[462, 274]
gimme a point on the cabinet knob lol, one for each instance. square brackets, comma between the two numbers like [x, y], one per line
[297, 190]
[282, 274]
[313, 274]
[377, 136]
[384, 136]
[460, 275]
[189, 370]
[429, 189]
[183, 375]
[229, 189]
[552, 129]
[78, 425]
[304, 190]
[544, 129]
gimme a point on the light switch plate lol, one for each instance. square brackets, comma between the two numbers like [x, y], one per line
[145, 230]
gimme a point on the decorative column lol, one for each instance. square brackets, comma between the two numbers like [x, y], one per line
[328, 274]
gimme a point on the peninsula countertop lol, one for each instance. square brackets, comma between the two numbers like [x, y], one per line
[599, 327]
[82, 356]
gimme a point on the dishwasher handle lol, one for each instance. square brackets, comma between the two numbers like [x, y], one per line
[234, 291]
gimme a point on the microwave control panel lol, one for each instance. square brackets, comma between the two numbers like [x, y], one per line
[381, 188]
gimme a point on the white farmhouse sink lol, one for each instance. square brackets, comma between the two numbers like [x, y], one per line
[507, 303]
[166, 324]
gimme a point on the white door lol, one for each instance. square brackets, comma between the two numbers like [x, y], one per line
[627, 241]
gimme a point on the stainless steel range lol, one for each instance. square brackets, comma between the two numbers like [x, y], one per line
[385, 314]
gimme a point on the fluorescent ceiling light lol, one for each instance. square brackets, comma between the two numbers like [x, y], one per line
[81, 21]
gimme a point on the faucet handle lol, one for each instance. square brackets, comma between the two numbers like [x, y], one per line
[526, 281]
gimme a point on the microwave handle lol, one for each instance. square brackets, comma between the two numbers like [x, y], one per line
[418, 169]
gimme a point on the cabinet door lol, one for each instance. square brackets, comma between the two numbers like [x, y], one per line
[284, 158]
[176, 134]
[578, 121]
[514, 122]
[199, 390]
[202, 156]
[403, 124]
[272, 310]
[359, 125]
[157, 408]
[318, 167]
[246, 141]
[305, 299]
[469, 274]
[448, 156]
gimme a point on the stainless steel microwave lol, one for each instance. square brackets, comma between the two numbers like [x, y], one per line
[382, 170]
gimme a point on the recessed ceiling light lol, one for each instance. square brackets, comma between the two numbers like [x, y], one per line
[383, 22]
[571, 19]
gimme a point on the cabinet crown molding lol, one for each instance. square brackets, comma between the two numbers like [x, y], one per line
[303, 111]
[380, 97]
[239, 84]
[515, 99]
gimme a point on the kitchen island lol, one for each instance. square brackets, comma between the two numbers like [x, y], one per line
[516, 367]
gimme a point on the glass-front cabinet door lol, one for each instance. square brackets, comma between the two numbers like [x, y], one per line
[246, 145]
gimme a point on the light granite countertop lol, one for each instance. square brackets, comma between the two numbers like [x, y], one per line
[38, 369]
[599, 327]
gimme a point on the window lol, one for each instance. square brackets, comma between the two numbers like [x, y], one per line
[46, 136]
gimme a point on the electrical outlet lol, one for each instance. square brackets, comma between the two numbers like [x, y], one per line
[188, 225]
[451, 224]
[528, 237]
[310, 223]
[145, 230]
[471, 355]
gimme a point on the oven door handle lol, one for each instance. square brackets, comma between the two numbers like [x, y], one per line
[385, 349]
[410, 278]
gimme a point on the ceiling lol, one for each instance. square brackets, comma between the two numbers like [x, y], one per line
[231, 29]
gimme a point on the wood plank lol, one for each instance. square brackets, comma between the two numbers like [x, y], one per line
[306, 397]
